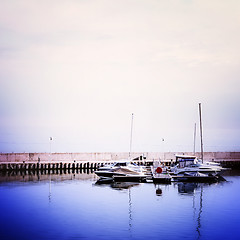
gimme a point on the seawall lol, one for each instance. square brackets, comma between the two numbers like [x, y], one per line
[111, 156]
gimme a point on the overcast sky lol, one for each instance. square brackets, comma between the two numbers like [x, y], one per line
[75, 70]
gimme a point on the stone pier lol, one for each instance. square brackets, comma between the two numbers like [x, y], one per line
[36, 161]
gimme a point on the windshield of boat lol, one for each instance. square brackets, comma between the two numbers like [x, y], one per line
[132, 163]
[186, 159]
[121, 164]
[124, 164]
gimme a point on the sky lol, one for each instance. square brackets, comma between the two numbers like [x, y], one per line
[76, 70]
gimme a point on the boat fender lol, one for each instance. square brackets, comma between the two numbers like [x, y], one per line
[159, 170]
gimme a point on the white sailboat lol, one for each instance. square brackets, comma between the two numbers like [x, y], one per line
[123, 170]
[194, 169]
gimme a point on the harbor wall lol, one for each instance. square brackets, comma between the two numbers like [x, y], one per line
[111, 156]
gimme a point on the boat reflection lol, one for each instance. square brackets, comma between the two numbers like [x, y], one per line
[189, 188]
[116, 185]
[126, 186]
[186, 188]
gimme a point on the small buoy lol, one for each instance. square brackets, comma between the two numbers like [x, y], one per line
[159, 170]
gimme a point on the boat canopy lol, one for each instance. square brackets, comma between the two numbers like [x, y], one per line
[184, 158]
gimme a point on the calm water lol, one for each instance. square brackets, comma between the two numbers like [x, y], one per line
[73, 206]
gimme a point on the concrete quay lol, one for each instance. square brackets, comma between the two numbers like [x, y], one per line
[40, 161]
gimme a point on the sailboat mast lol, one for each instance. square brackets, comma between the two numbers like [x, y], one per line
[194, 139]
[130, 150]
[200, 116]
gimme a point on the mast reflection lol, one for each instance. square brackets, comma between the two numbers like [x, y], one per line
[190, 189]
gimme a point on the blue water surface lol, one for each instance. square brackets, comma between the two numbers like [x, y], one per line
[78, 208]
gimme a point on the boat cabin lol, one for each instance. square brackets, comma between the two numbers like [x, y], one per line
[124, 164]
[186, 161]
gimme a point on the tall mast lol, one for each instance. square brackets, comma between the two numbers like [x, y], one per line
[200, 116]
[130, 150]
[194, 139]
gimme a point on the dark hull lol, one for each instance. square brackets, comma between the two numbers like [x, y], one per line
[200, 171]
[129, 178]
[195, 179]
[161, 180]
[108, 174]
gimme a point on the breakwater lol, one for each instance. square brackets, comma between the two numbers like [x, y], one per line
[50, 161]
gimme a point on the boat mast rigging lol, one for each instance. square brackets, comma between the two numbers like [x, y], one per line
[130, 150]
[200, 117]
[194, 139]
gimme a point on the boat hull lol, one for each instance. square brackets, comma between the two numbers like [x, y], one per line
[205, 171]
[162, 180]
[194, 179]
[107, 174]
[127, 178]
[200, 179]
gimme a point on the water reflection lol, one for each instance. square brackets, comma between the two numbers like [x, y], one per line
[49, 195]
[121, 186]
[199, 214]
[116, 185]
[158, 190]
[194, 190]
[130, 212]
[81, 207]
[47, 175]
[190, 189]
[187, 188]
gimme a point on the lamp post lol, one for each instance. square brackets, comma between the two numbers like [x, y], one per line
[50, 153]
[163, 148]
[50, 158]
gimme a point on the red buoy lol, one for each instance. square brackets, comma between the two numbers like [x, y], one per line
[159, 170]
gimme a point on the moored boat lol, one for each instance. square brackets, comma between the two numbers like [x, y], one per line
[198, 177]
[160, 174]
[123, 170]
[186, 164]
